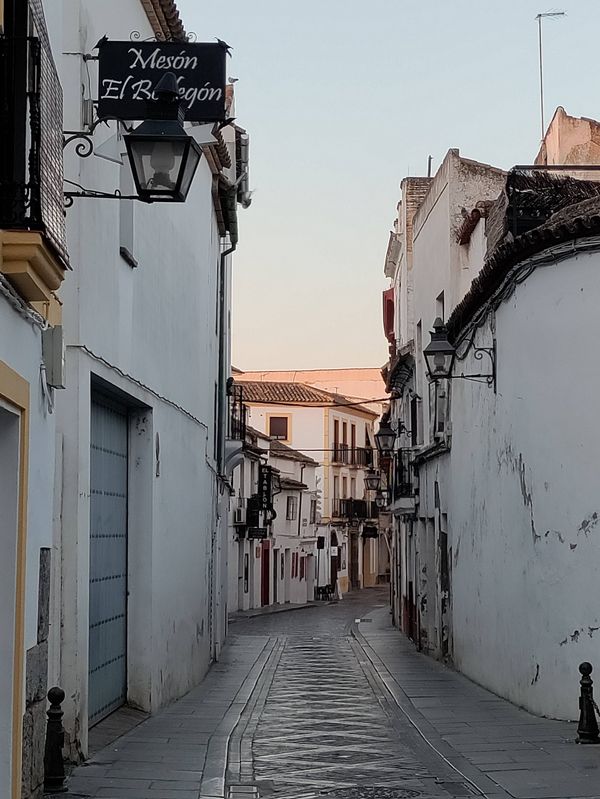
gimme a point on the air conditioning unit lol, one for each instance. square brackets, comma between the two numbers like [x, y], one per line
[239, 516]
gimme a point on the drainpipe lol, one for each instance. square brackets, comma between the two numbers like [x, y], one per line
[221, 412]
[302, 468]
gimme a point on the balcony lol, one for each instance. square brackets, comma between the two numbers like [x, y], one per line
[353, 509]
[237, 414]
[362, 457]
[404, 481]
[352, 456]
[341, 453]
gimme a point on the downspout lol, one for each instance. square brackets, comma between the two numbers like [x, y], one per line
[222, 379]
[302, 468]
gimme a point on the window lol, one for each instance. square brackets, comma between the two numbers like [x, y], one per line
[313, 511]
[353, 443]
[336, 433]
[302, 567]
[344, 487]
[353, 487]
[292, 508]
[344, 432]
[246, 573]
[439, 306]
[336, 487]
[278, 427]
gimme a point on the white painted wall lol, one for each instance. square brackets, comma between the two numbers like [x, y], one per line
[150, 332]
[20, 349]
[524, 498]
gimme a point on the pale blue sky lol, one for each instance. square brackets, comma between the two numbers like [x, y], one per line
[343, 98]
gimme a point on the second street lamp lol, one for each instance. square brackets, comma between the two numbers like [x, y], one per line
[439, 354]
[384, 438]
[372, 480]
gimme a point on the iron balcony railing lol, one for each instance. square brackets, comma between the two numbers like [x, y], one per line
[237, 415]
[353, 509]
[31, 156]
[352, 456]
[341, 453]
[403, 483]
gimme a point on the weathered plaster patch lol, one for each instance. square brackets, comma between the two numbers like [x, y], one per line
[589, 523]
[557, 533]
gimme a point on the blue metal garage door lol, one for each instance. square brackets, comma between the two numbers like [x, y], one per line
[108, 561]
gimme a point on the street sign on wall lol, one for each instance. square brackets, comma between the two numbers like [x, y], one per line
[129, 71]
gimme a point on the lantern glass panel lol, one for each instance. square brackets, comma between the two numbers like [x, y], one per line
[189, 169]
[157, 164]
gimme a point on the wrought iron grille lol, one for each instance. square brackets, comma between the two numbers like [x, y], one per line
[31, 193]
[403, 476]
[237, 415]
[354, 509]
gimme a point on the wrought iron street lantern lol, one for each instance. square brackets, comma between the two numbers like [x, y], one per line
[163, 157]
[440, 357]
[384, 438]
[439, 354]
[372, 480]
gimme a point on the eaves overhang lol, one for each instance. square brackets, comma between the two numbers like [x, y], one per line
[164, 18]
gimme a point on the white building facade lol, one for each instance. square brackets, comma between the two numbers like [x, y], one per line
[339, 433]
[494, 513]
[33, 263]
[118, 487]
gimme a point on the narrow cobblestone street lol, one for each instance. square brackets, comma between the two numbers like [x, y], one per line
[324, 726]
[330, 701]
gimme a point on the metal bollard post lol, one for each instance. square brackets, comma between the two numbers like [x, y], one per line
[587, 729]
[54, 767]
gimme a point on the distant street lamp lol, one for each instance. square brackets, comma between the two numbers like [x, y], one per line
[372, 480]
[384, 439]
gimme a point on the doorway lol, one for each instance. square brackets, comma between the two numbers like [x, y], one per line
[107, 667]
[265, 573]
[10, 423]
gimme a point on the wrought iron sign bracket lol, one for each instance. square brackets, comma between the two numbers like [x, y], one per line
[478, 354]
[84, 148]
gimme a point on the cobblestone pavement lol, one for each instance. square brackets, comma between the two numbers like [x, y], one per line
[323, 726]
[313, 705]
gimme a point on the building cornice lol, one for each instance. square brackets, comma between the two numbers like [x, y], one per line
[163, 16]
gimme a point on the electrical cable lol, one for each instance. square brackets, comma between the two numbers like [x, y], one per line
[332, 405]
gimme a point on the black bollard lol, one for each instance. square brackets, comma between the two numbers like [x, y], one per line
[54, 767]
[587, 729]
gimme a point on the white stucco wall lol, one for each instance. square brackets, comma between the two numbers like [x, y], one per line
[524, 500]
[151, 333]
[20, 350]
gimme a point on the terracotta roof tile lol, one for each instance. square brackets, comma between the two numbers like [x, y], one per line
[294, 393]
[577, 220]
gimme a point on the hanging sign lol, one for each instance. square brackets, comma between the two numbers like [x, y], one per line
[129, 71]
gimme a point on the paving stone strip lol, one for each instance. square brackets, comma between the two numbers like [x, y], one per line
[181, 752]
[504, 749]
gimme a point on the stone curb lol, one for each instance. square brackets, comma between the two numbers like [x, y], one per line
[482, 784]
[212, 785]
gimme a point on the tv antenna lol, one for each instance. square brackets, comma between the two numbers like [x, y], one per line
[539, 19]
